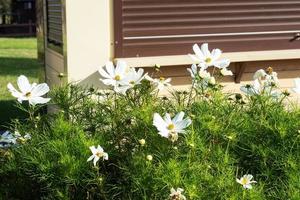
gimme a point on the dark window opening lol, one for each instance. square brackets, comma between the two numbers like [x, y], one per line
[54, 25]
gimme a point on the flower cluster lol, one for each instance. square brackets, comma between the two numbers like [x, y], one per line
[204, 59]
[265, 82]
[122, 77]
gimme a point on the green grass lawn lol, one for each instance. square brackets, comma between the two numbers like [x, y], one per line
[17, 56]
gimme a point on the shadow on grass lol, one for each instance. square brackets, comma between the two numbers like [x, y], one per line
[17, 66]
[8, 112]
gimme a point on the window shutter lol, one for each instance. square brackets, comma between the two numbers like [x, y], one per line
[171, 27]
[54, 23]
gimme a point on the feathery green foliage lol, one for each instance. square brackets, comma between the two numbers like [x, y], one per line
[228, 137]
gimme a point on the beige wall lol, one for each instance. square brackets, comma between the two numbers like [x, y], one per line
[89, 38]
[87, 43]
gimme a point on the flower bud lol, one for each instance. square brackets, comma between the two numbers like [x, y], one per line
[212, 80]
[142, 142]
[149, 157]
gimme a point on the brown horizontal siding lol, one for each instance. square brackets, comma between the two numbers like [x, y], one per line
[192, 21]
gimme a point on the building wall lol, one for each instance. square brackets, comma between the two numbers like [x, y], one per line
[89, 44]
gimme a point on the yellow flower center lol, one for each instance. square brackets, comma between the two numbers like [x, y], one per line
[171, 127]
[117, 77]
[161, 78]
[99, 154]
[28, 94]
[208, 60]
[244, 181]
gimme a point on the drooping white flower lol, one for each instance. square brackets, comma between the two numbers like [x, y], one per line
[160, 83]
[112, 76]
[97, 154]
[193, 70]
[204, 74]
[252, 89]
[259, 74]
[226, 72]
[246, 181]
[177, 194]
[204, 58]
[169, 128]
[29, 92]
[297, 85]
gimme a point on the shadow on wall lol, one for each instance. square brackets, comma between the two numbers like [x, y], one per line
[93, 80]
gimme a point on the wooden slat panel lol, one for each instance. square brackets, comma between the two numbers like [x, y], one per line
[170, 27]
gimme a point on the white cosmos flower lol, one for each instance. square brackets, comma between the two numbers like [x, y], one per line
[246, 181]
[132, 79]
[169, 128]
[113, 76]
[204, 58]
[97, 154]
[160, 83]
[177, 194]
[29, 92]
[297, 85]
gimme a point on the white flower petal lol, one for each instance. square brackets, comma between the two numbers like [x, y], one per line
[180, 126]
[168, 119]
[221, 63]
[110, 70]
[90, 158]
[93, 149]
[158, 122]
[40, 90]
[99, 149]
[104, 74]
[178, 117]
[23, 84]
[13, 91]
[198, 52]
[105, 156]
[205, 51]
[96, 159]
[215, 54]
[121, 67]
[38, 100]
